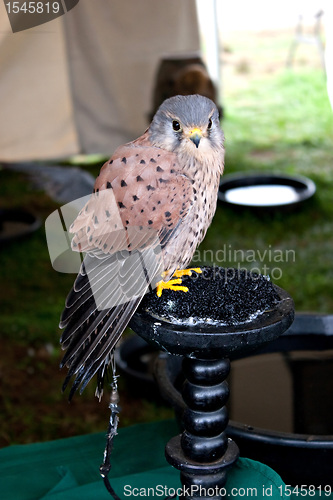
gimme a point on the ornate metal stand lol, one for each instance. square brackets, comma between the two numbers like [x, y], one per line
[202, 453]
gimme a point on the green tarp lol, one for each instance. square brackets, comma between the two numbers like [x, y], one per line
[69, 468]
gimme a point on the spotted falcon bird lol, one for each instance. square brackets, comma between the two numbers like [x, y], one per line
[152, 204]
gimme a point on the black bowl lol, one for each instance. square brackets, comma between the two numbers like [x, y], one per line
[17, 223]
[265, 191]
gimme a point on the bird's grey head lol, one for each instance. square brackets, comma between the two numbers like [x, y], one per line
[187, 125]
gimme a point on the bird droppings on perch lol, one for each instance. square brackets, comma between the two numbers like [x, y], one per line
[231, 296]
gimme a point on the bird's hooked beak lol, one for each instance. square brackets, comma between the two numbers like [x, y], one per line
[195, 136]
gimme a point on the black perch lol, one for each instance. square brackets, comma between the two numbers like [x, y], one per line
[226, 313]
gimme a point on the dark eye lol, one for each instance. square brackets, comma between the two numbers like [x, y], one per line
[210, 123]
[176, 125]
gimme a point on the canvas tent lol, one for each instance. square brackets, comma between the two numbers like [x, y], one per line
[82, 83]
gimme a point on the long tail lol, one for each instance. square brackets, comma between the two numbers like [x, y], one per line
[98, 309]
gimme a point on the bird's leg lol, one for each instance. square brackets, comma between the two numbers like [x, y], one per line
[174, 284]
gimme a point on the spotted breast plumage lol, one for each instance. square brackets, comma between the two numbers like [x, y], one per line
[152, 204]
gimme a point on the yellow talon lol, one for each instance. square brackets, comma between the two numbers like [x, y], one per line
[186, 272]
[172, 284]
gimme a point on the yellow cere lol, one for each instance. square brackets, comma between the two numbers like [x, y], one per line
[196, 131]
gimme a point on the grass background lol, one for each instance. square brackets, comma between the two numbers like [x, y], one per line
[276, 120]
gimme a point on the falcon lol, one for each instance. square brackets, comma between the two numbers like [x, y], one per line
[152, 204]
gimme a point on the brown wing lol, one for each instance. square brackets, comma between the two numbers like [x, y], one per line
[140, 200]
[141, 187]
